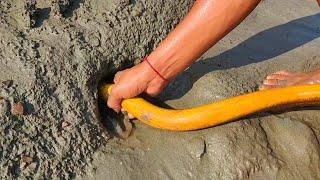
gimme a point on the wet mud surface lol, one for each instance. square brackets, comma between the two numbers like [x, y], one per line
[53, 54]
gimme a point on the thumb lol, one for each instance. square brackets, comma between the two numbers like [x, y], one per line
[114, 102]
[154, 89]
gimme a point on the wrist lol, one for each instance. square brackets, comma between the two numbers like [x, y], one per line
[146, 60]
[165, 64]
[151, 75]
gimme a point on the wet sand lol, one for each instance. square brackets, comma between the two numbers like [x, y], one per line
[57, 52]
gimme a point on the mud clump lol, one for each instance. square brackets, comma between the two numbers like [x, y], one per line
[56, 52]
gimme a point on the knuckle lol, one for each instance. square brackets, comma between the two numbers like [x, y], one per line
[153, 91]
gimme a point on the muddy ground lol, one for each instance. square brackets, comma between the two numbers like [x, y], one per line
[53, 54]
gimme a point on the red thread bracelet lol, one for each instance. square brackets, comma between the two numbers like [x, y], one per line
[145, 59]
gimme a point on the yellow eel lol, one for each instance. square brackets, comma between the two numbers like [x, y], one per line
[218, 112]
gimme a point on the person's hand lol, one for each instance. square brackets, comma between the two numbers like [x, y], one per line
[134, 81]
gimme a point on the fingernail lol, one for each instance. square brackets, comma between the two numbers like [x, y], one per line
[130, 116]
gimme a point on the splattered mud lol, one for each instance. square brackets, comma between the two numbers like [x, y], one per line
[54, 53]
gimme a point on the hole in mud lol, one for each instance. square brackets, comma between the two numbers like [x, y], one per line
[117, 124]
[133, 2]
[41, 15]
[112, 121]
[67, 11]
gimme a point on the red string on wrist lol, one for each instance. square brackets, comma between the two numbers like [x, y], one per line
[145, 59]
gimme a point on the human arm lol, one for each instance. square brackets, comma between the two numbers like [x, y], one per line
[207, 22]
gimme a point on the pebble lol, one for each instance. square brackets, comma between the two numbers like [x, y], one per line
[25, 161]
[65, 124]
[18, 109]
[7, 83]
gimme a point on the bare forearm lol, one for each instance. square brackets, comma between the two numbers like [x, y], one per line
[207, 22]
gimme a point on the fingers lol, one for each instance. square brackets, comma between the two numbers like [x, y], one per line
[114, 100]
[132, 82]
[117, 77]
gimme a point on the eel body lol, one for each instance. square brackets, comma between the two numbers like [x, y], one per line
[219, 112]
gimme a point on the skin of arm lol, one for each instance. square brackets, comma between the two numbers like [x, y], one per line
[207, 22]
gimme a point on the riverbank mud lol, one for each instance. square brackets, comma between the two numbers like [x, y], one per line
[53, 54]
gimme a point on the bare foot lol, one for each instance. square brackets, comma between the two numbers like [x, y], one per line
[286, 78]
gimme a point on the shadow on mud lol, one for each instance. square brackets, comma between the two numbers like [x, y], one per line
[72, 6]
[265, 45]
[109, 118]
[41, 15]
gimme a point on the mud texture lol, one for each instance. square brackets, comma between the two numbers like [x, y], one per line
[53, 54]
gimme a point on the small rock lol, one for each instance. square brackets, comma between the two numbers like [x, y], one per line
[18, 109]
[25, 161]
[7, 83]
[65, 124]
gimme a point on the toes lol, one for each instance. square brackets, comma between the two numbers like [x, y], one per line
[281, 75]
[277, 79]
[262, 87]
[265, 87]
[284, 72]
[274, 82]
[277, 76]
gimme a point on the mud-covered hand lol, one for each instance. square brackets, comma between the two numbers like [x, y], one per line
[134, 81]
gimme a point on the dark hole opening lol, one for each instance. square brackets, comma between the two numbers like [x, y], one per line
[115, 123]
